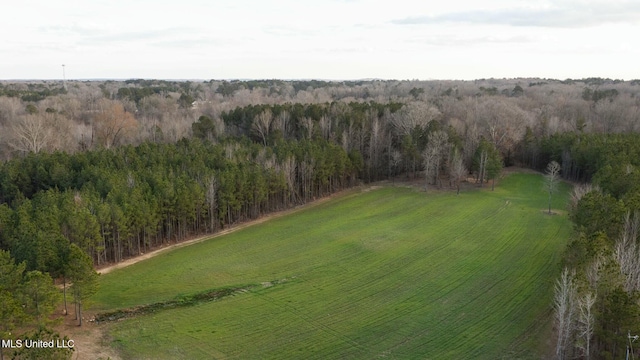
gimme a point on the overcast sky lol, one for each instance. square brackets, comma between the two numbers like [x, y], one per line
[321, 39]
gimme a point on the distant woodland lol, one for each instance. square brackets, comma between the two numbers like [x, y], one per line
[94, 172]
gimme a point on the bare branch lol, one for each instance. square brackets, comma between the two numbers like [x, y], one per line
[564, 305]
[458, 170]
[586, 323]
[578, 192]
[30, 133]
[415, 114]
[627, 253]
[552, 178]
[262, 125]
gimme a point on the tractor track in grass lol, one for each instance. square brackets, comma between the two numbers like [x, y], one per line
[315, 323]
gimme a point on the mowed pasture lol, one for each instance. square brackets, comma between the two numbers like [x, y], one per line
[388, 273]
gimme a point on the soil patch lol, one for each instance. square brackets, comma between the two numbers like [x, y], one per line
[554, 212]
[182, 301]
[90, 340]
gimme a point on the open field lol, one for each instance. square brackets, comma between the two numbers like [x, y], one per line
[389, 273]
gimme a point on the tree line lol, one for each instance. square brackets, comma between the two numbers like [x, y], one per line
[84, 115]
[117, 202]
[597, 297]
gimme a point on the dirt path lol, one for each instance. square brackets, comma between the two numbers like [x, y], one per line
[229, 230]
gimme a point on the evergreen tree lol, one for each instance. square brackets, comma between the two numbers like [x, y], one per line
[83, 277]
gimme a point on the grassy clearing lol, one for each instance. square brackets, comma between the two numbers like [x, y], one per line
[390, 273]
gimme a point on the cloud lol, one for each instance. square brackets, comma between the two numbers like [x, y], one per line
[288, 31]
[193, 42]
[98, 36]
[74, 29]
[456, 40]
[145, 36]
[566, 16]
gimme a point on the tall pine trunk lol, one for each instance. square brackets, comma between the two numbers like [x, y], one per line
[64, 294]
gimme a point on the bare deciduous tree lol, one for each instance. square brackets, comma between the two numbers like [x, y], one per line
[325, 127]
[458, 171]
[10, 109]
[504, 122]
[396, 159]
[429, 156]
[64, 134]
[552, 177]
[586, 323]
[288, 169]
[627, 253]
[609, 115]
[376, 143]
[282, 123]
[30, 133]
[262, 125]
[309, 125]
[415, 114]
[113, 125]
[564, 303]
[480, 160]
[439, 141]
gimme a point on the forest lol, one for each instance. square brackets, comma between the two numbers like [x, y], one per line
[94, 172]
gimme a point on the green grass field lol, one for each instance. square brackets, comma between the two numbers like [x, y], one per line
[390, 273]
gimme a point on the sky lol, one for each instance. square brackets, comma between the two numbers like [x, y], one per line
[322, 39]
